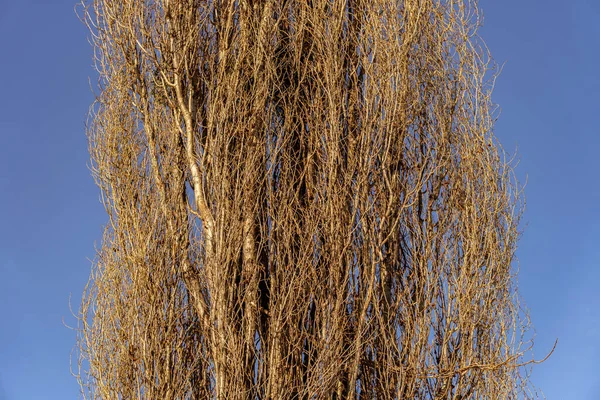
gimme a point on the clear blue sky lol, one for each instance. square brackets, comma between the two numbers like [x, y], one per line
[50, 215]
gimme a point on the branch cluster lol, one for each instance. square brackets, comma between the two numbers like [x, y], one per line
[305, 200]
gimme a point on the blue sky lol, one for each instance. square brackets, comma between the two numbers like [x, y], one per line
[51, 216]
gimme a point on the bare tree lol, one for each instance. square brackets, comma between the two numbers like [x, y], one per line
[305, 201]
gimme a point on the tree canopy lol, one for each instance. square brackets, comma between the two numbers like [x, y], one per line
[306, 201]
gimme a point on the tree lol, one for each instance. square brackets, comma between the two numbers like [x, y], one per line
[305, 201]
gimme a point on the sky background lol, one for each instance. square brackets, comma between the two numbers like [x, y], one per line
[50, 215]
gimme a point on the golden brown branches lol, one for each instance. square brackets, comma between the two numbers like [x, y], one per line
[306, 201]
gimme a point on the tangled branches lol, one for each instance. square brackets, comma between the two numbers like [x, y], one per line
[305, 201]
